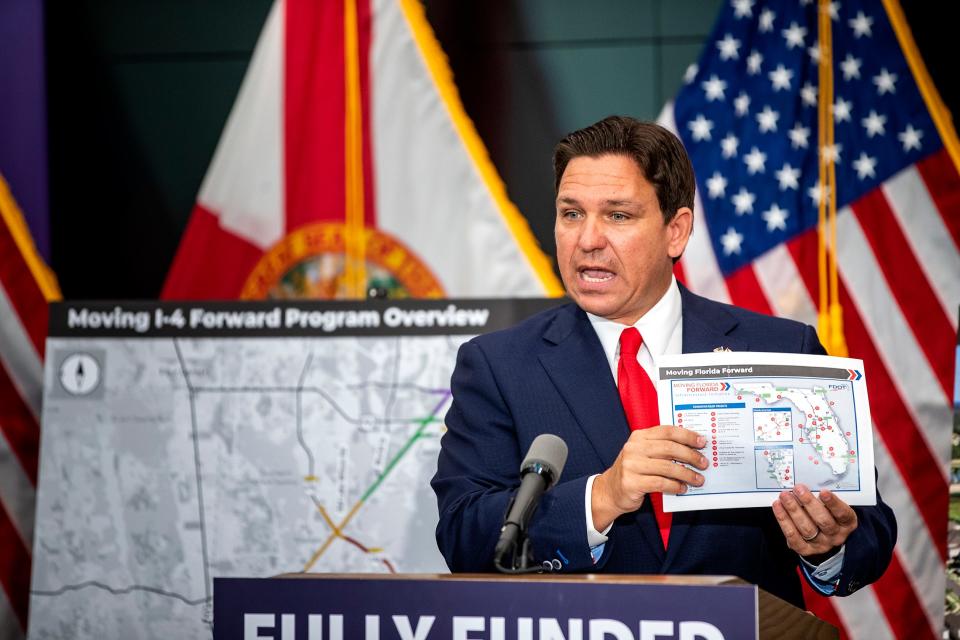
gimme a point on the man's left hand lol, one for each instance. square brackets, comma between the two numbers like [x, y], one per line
[814, 526]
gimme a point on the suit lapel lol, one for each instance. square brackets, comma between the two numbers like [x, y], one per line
[707, 325]
[578, 368]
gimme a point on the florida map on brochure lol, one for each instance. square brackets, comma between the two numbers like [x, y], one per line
[771, 420]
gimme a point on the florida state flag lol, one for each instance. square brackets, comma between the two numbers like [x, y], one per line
[348, 164]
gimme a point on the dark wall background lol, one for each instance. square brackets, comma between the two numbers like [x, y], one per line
[139, 91]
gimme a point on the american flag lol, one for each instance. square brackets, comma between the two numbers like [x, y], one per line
[26, 286]
[748, 115]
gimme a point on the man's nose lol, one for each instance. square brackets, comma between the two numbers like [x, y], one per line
[591, 235]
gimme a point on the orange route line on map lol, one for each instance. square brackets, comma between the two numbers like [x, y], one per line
[337, 532]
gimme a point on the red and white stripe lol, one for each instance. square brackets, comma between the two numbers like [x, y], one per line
[899, 261]
[23, 326]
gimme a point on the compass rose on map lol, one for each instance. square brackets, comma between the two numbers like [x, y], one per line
[79, 374]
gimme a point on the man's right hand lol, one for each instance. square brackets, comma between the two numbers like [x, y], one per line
[646, 465]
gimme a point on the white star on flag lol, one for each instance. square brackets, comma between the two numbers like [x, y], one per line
[767, 119]
[690, 74]
[714, 88]
[794, 35]
[754, 60]
[729, 145]
[841, 110]
[798, 136]
[885, 82]
[731, 241]
[851, 67]
[716, 185]
[865, 166]
[700, 128]
[755, 161]
[775, 217]
[816, 190]
[742, 8]
[809, 95]
[834, 10]
[788, 177]
[743, 201]
[910, 138]
[729, 48]
[873, 123]
[766, 20]
[780, 78]
[742, 104]
[814, 52]
[861, 25]
[832, 152]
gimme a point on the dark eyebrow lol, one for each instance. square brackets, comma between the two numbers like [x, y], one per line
[609, 203]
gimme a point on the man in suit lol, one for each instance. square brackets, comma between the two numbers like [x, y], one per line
[586, 371]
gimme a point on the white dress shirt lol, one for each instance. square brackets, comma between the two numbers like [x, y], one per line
[662, 334]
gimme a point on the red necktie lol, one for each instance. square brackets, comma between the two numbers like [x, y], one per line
[639, 398]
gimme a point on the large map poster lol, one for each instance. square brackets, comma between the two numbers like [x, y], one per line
[184, 442]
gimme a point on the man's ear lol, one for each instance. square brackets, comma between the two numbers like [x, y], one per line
[678, 231]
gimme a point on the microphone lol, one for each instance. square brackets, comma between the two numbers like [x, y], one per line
[539, 472]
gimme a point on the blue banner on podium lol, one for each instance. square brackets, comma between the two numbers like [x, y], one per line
[338, 608]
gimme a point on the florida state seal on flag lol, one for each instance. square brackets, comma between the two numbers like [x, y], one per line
[348, 165]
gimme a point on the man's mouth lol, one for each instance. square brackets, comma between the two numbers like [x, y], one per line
[595, 275]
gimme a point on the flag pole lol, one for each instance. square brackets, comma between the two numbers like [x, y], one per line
[355, 233]
[830, 318]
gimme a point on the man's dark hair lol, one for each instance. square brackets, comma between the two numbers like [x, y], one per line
[659, 154]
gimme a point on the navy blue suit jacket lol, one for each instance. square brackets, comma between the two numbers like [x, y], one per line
[549, 375]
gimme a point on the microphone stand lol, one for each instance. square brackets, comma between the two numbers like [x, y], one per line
[520, 555]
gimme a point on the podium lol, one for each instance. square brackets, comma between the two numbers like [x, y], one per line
[493, 607]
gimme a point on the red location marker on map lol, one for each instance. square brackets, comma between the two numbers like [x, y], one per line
[818, 436]
[715, 464]
[714, 442]
[848, 433]
[801, 439]
[739, 397]
[779, 396]
[816, 462]
[852, 452]
[714, 459]
[765, 452]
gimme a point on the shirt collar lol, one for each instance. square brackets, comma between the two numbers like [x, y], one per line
[656, 326]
